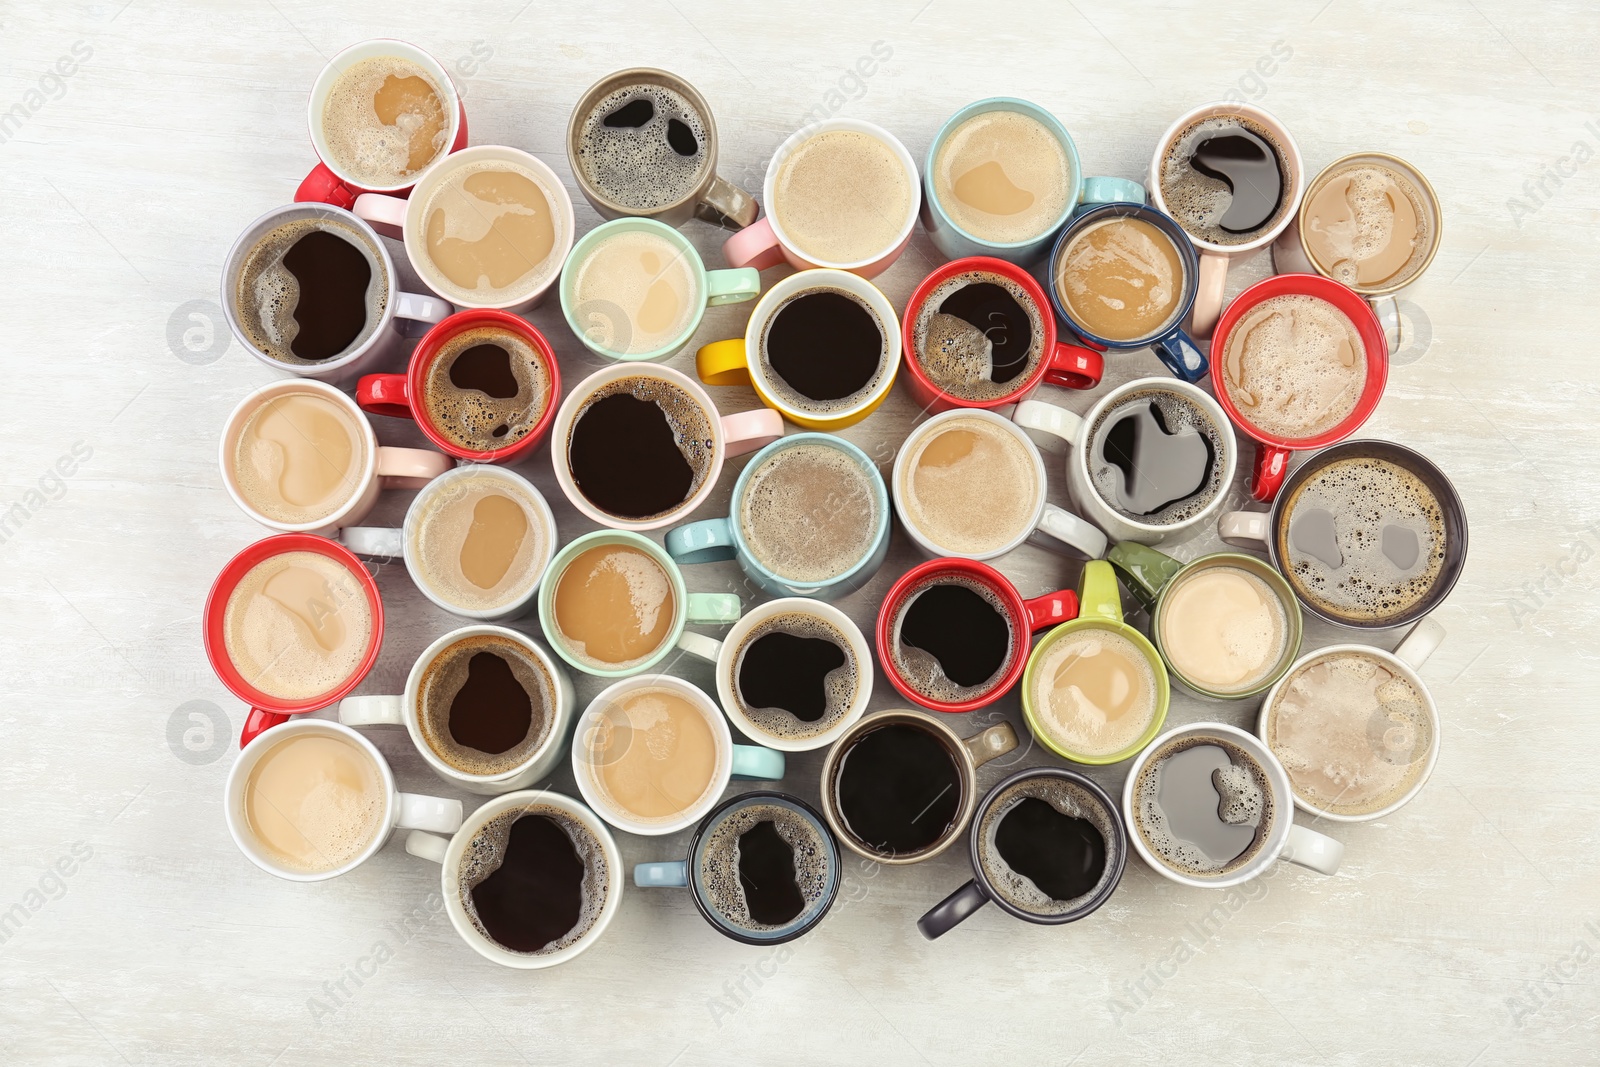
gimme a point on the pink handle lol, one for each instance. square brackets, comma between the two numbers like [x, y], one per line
[1272, 463]
[410, 468]
[747, 431]
[387, 214]
[1208, 295]
[323, 186]
[754, 246]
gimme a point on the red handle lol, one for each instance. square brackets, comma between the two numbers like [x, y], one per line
[385, 394]
[322, 186]
[1072, 367]
[1050, 610]
[1272, 463]
[257, 721]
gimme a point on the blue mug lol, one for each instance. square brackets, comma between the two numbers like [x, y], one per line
[956, 242]
[1175, 348]
[711, 540]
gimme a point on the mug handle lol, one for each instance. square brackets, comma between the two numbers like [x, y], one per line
[1097, 596]
[1312, 850]
[1056, 423]
[1245, 529]
[733, 286]
[700, 646]
[1144, 570]
[1209, 288]
[385, 394]
[258, 722]
[417, 812]
[410, 468]
[381, 542]
[672, 874]
[755, 762]
[384, 213]
[754, 246]
[726, 202]
[723, 363]
[1074, 367]
[992, 743]
[372, 710]
[1112, 191]
[1182, 356]
[712, 609]
[1387, 308]
[1049, 610]
[322, 186]
[426, 846]
[746, 431]
[705, 541]
[421, 312]
[1075, 533]
[1424, 638]
[1271, 467]
[952, 910]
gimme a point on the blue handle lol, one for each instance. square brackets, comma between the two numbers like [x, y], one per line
[1112, 191]
[670, 875]
[706, 541]
[1182, 356]
[753, 761]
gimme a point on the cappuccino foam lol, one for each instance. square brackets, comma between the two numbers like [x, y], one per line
[1095, 692]
[842, 196]
[1367, 227]
[385, 121]
[1002, 176]
[809, 513]
[1295, 366]
[635, 292]
[314, 802]
[297, 625]
[478, 542]
[970, 487]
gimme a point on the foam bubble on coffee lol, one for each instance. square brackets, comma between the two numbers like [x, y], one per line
[384, 121]
[1069, 799]
[486, 850]
[1243, 799]
[970, 486]
[922, 670]
[1199, 201]
[719, 862]
[268, 293]
[1181, 416]
[1295, 366]
[457, 404]
[1367, 226]
[297, 625]
[441, 686]
[842, 196]
[809, 513]
[642, 165]
[314, 802]
[957, 355]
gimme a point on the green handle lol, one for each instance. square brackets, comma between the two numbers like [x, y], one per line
[713, 609]
[1145, 571]
[1097, 594]
[732, 286]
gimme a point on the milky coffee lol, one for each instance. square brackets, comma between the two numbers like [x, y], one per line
[1366, 225]
[809, 513]
[384, 121]
[842, 196]
[635, 292]
[297, 625]
[491, 232]
[1121, 279]
[314, 802]
[299, 457]
[1222, 628]
[1094, 692]
[970, 486]
[1295, 366]
[478, 543]
[653, 753]
[614, 606]
[1002, 176]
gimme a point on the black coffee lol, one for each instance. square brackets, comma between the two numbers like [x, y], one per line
[310, 290]
[331, 311]
[826, 348]
[487, 388]
[898, 789]
[639, 448]
[1203, 805]
[1223, 179]
[1157, 457]
[1000, 317]
[1063, 855]
[952, 639]
[782, 670]
[1249, 167]
[765, 865]
[978, 336]
[643, 146]
[533, 880]
[767, 877]
[485, 705]
[487, 368]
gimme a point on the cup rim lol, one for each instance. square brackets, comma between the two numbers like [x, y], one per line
[1412, 174]
[557, 568]
[1163, 694]
[1293, 618]
[1163, 222]
[587, 243]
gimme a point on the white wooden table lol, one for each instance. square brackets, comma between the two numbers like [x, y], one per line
[1463, 930]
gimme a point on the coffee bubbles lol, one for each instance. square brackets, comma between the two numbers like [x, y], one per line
[385, 120]
[1223, 180]
[1048, 846]
[809, 513]
[970, 485]
[766, 867]
[311, 290]
[643, 147]
[1203, 806]
[979, 336]
[1157, 457]
[1367, 226]
[1295, 366]
[639, 447]
[842, 196]
[487, 389]
[953, 639]
[533, 880]
[485, 705]
[795, 676]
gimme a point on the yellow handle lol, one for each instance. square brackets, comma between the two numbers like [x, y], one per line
[723, 363]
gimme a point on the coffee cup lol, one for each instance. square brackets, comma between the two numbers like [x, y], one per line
[1208, 805]
[961, 314]
[378, 83]
[965, 645]
[1047, 845]
[482, 386]
[643, 143]
[1323, 236]
[293, 623]
[613, 604]
[636, 290]
[840, 193]
[653, 753]
[809, 516]
[311, 800]
[298, 456]
[1282, 383]
[820, 348]
[554, 885]
[1226, 624]
[1369, 534]
[490, 711]
[762, 869]
[1123, 276]
[1231, 175]
[1095, 690]
[351, 326]
[640, 446]
[971, 484]
[1355, 727]
[899, 787]
[1134, 484]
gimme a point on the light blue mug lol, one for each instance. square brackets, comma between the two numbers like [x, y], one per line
[955, 241]
[710, 540]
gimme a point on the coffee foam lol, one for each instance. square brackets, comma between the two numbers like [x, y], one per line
[1244, 795]
[718, 863]
[635, 166]
[1179, 413]
[299, 457]
[1197, 201]
[444, 521]
[468, 418]
[1011, 156]
[921, 670]
[1370, 186]
[321, 802]
[268, 293]
[442, 681]
[297, 625]
[809, 513]
[373, 153]
[842, 196]
[792, 397]
[691, 425]
[1068, 798]
[1223, 628]
[1072, 716]
[1122, 278]
[976, 502]
[486, 851]
[1295, 366]
[841, 684]
[955, 355]
[491, 231]
[635, 292]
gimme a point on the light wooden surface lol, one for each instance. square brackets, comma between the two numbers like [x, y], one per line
[1461, 931]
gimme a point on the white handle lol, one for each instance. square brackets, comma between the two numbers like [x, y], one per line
[426, 846]
[1251, 527]
[1312, 850]
[418, 812]
[424, 309]
[1420, 643]
[372, 711]
[1072, 531]
[701, 646]
[1057, 424]
[386, 214]
[1387, 308]
[382, 541]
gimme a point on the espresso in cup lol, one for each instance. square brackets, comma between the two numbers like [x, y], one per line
[842, 196]
[898, 788]
[299, 458]
[1002, 176]
[297, 625]
[952, 639]
[479, 543]
[825, 350]
[385, 121]
[1157, 457]
[486, 389]
[809, 513]
[613, 606]
[1203, 806]
[1048, 846]
[1223, 178]
[795, 676]
[485, 705]
[1094, 692]
[1368, 225]
[1121, 279]
[970, 486]
[766, 867]
[978, 335]
[1295, 366]
[639, 447]
[635, 292]
[644, 146]
[1223, 628]
[314, 801]
[652, 753]
[311, 290]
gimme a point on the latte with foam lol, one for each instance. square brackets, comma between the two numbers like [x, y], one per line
[299, 457]
[297, 625]
[1094, 692]
[809, 513]
[1222, 628]
[478, 542]
[491, 231]
[614, 606]
[1295, 366]
[1367, 225]
[842, 196]
[1002, 176]
[1121, 279]
[313, 802]
[385, 121]
[970, 486]
[635, 292]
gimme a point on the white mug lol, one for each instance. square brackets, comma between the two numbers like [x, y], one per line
[403, 710]
[401, 811]
[449, 855]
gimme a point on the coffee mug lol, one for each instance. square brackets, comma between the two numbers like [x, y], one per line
[1195, 464]
[658, 274]
[571, 863]
[787, 541]
[1255, 789]
[986, 141]
[772, 240]
[505, 544]
[1326, 215]
[992, 501]
[622, 166]
[299, 831]
[1050, 862]
[476, 770]
[334, 181]
[1218, 249]
[1356, 399]
[763, 869]
[691, 440]
[815, 388]
[1170, 281]
[1358, 490]
[412, 395]
[391, 314]
[330, 597]
[298, 456]
[965, 627]
[675, 758]
[947, 382]
[1090, 675]
[908, 780]
[625, 557]
[1226, 624]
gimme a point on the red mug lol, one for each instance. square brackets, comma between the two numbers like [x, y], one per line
[266, 710]
[398, 395]
[1069, 366]
[1025, 617]
[1272, 452]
